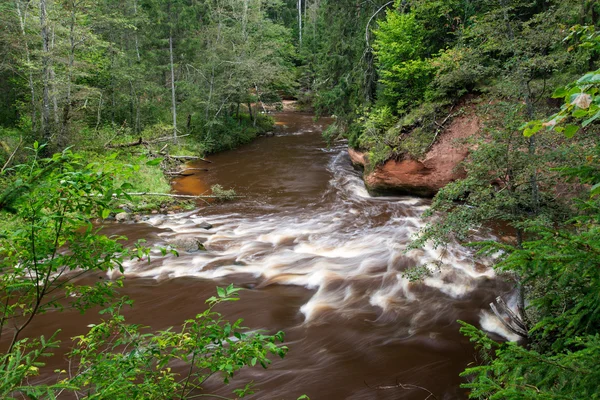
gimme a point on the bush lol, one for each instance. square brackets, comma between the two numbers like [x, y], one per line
[50, 204]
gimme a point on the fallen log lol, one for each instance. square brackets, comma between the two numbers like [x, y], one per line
[141, 141]
[182, 196]
[440, 128]
[405, 386]
[7, 163]
[185, 158]
[508, 318]
[185, 172]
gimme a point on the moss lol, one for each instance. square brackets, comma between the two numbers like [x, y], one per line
[385, 137]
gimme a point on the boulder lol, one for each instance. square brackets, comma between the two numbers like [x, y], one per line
[190, 245]
[440, 166]
[205, 225]
[122, 217]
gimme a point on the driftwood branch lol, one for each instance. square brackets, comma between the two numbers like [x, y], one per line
[509, 319]
[369, 23]
[404, 386]
[181, 196]
[185, 172]
[7, 163]
[141, 141]
[440, 128]
[511, 313]
[185, 158]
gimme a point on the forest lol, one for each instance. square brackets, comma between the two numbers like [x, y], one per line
[100, 101]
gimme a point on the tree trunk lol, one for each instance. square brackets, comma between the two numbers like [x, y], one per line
[300, 22]
[99, 116]
[22, 20]
[53, 91]
[173, 100]
[67, 106]
[535, 196]
[245, 21]
[250, 111]
[45, 127]
[137, 46]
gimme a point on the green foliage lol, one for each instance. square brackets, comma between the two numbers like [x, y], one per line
[514, 372]
[111, 70]
[437, 51]
[339, 74]
[399, 47]
[222, 194]
[499, 185]
[54, 200]
[559, 271]
[50, 244]
[120, 360]
[23, 362]
[581, 98]
[458, 71]
[556, 266]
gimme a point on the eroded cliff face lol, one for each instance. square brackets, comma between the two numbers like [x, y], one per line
[424, 177]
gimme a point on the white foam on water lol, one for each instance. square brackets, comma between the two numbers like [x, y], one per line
[352, 255]
[489, 322]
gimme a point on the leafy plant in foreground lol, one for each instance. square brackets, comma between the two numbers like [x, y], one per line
[46, 245]
[119, 360]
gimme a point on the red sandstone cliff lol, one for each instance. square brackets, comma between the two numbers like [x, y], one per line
[426, 176]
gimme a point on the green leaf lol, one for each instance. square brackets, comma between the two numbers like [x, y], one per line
[155, 161]
[532, 128]
[589, 78]
[590, 120]
[105, 213]
[221, 292]
[560, 93]
[570, 131]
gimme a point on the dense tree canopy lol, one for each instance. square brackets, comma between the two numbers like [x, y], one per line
[91, 74]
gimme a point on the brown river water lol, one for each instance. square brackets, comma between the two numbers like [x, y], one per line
[321, 260]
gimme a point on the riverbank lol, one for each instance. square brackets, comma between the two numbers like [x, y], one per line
[150, 165]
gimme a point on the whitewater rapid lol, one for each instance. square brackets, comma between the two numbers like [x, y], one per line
[348, 247]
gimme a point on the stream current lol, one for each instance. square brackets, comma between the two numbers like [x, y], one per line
[321, 260]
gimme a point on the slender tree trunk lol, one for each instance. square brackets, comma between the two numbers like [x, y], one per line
[300, 22]
[22, 21]
[245, 21]
[137, 46]
[112, 88]
[250, 111]
[133, 106]
[99, 116]
[53, 91]
[72, 45]
[525, 91]
[210, 93]
[45, 127]
[173, 100]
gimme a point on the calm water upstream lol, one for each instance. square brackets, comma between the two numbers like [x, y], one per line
[323, 261]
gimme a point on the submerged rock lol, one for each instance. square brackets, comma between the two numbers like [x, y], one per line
[123, 217]
[189, 245]
[205, 225]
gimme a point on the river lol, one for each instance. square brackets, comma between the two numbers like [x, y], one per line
[321, 260]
